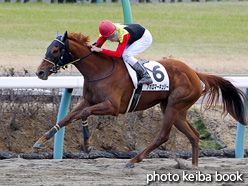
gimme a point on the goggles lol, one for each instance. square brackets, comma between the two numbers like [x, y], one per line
[112, 36]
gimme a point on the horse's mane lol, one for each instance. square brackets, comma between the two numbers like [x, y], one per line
[79, 37]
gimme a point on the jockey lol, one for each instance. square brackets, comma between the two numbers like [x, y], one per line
[132, 38]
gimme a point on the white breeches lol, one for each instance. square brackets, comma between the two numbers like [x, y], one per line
[136, 48]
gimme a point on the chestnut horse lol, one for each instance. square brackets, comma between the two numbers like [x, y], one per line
[108, 88]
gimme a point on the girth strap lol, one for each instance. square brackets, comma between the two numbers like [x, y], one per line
[135, 99]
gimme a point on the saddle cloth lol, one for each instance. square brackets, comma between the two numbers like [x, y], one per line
[160, 81]
[157, 72]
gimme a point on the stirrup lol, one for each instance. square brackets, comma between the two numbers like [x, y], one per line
[145, 77]
[145, 80]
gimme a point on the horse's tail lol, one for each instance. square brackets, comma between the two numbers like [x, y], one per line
[233, 99]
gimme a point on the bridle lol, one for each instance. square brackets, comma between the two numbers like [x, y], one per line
[63, 59]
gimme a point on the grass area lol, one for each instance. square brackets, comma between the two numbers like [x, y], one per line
[212, 28]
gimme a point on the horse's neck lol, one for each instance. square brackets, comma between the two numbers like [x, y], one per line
[92, 66]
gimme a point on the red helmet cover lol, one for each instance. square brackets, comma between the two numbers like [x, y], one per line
[107, 28]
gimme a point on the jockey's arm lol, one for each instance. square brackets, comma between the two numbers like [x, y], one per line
[119, 51]
[100, 41]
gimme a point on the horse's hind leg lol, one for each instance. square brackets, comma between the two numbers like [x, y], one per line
[192, 134]
[169, 118]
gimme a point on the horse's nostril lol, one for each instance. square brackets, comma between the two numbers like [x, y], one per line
[40, 73]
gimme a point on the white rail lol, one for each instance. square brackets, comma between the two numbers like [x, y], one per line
[35, 82]
[238, 81]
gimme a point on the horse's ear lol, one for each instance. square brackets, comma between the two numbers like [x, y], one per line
[57, 34]
[64, 37]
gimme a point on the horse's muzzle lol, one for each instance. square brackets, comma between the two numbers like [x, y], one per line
[42, 74]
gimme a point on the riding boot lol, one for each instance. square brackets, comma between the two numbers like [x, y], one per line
[145, 77]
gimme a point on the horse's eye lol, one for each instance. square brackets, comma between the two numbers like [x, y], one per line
[55, 51]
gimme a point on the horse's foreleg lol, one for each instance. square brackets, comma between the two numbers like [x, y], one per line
[73, 115]
[40, 143]
[103, 108]
[87, 144]
[163, 135]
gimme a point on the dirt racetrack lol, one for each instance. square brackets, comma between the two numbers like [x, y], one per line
[102, 171]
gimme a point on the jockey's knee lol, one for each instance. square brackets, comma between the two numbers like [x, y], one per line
[129, 59]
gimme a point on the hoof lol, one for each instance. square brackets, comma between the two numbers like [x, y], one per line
[38, 145]
[129, 165]
[88, 149]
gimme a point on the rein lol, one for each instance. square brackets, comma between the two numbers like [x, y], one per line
[61, 59]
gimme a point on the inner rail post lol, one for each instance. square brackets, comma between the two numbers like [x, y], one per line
[59, 136]
[240, 137]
